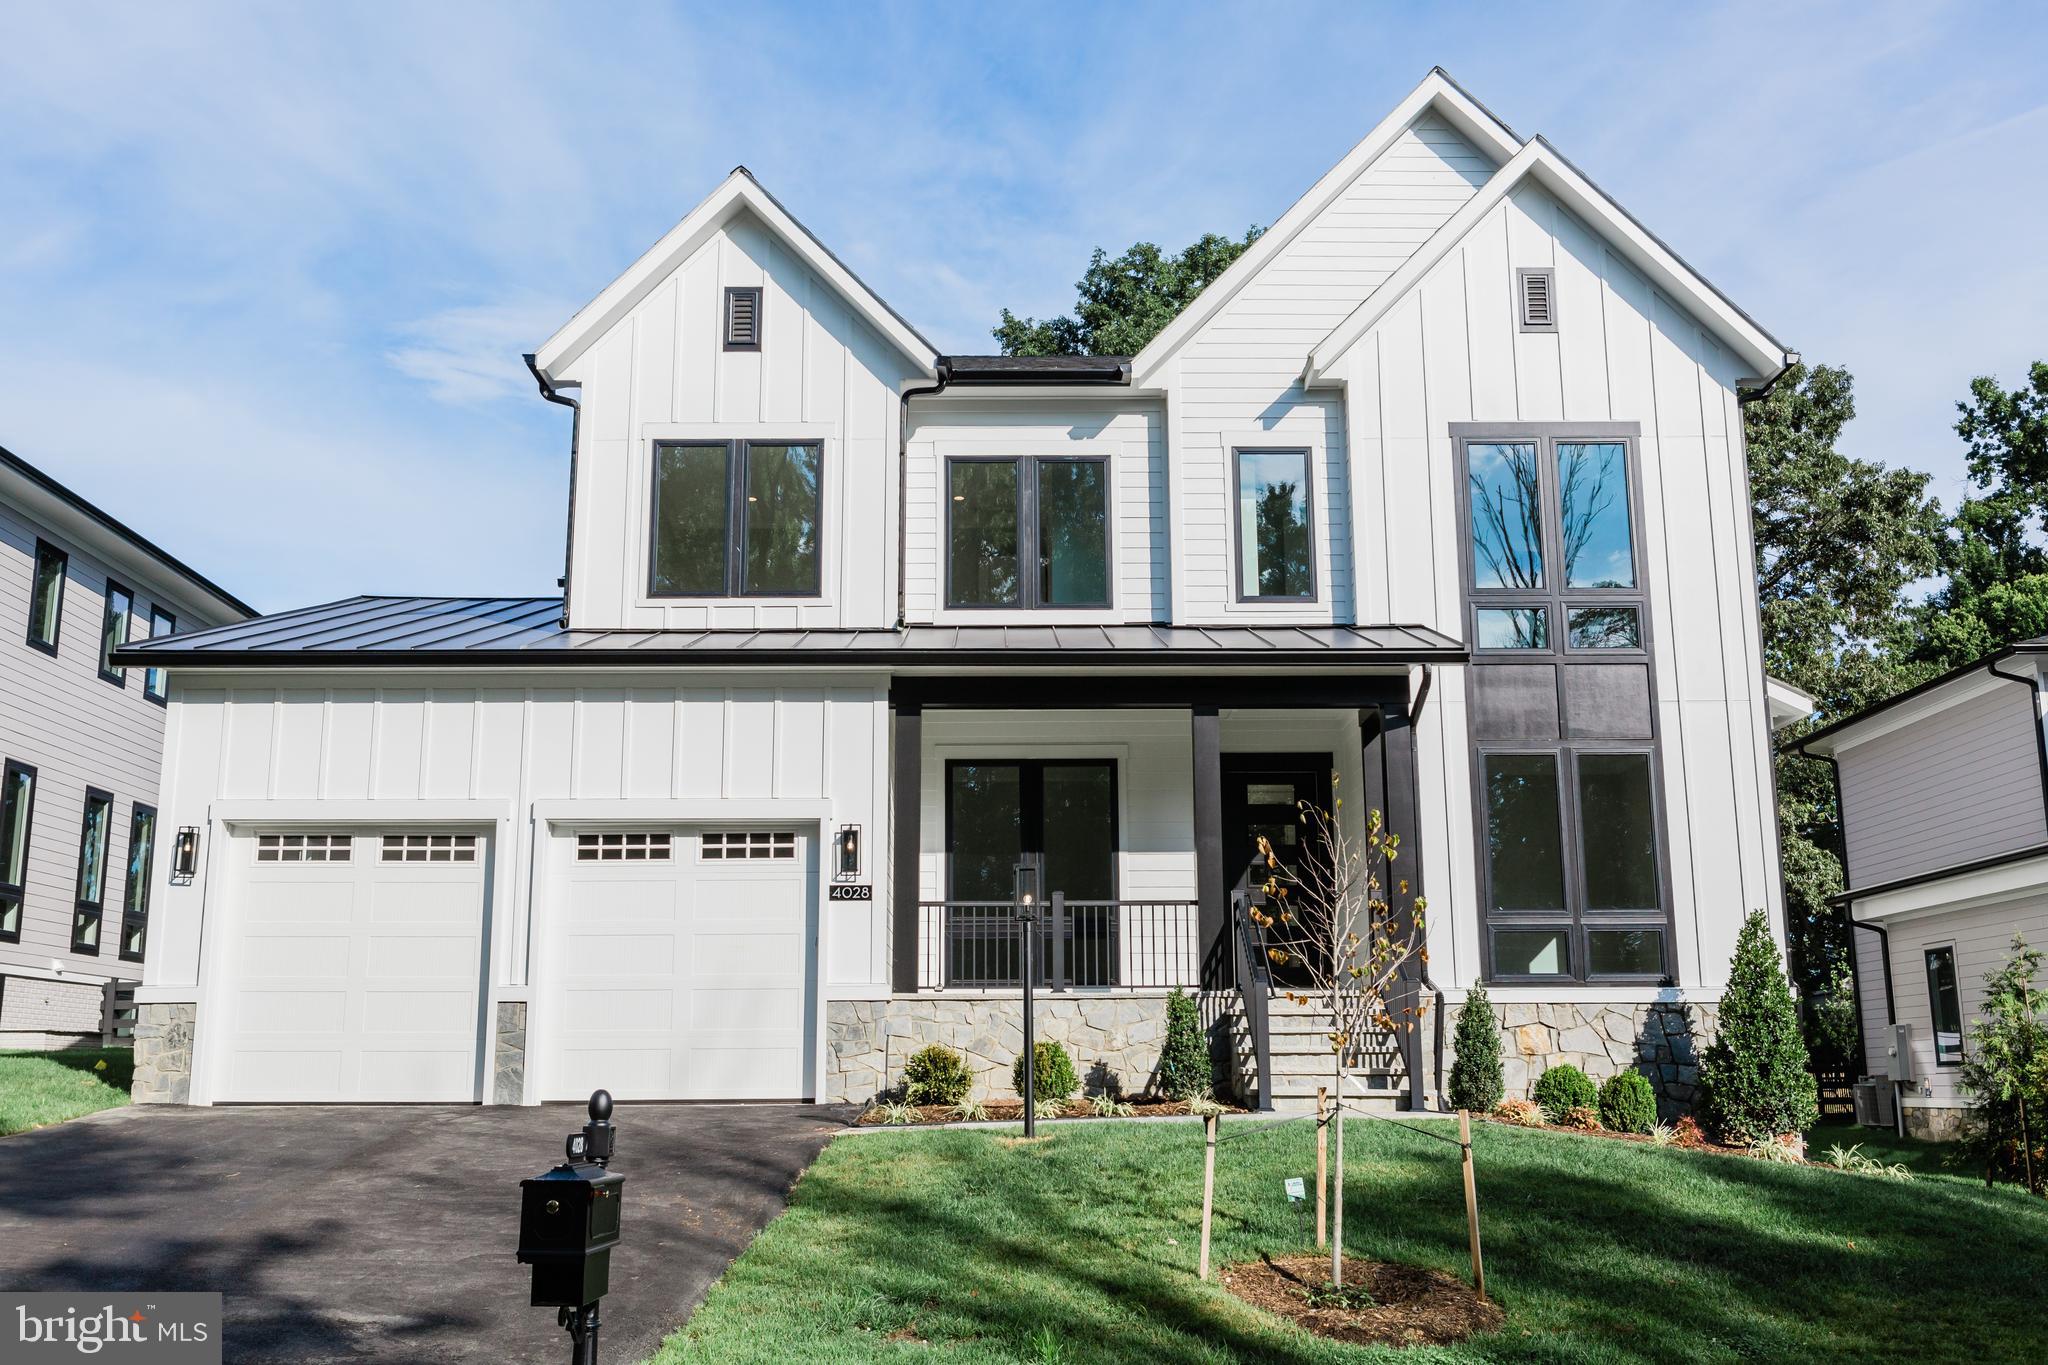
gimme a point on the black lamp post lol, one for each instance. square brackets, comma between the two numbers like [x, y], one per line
[1027, 962]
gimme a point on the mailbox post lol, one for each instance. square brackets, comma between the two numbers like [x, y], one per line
[568, 1225]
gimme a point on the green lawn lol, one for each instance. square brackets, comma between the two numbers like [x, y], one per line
[37, 1088]
[961, 1246]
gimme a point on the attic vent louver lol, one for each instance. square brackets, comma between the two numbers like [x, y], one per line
[742, 319]
[1539, 309]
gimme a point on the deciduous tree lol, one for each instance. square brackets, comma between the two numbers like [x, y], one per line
[1126, 300]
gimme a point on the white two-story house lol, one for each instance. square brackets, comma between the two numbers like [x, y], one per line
[1439, 490]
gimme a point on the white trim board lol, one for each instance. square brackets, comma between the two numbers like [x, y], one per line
[2024, 879]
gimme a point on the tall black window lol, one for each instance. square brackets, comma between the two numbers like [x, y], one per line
[1563, 724]
[1946, 1004]
[17, 812]
[156, 683]
[93, 837]
[114, 624]
[135, 907]
[1275, 535]
[1030, 532]
[46, 597]
[737, 519]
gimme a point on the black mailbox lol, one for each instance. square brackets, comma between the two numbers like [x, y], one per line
[568, 1225]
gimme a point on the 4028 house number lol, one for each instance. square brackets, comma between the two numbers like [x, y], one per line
[852, 893]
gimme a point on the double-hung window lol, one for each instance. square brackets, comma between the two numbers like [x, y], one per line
[46, 597]
[1564, 733]
[1027, 531]
[1945, 1003]
[94, 834]
[737, 519]
[1275, 526]
[17, 810]
[156, 684]
[114, 625]
[135, 906]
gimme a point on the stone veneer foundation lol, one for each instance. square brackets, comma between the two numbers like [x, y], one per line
[1663, 1041]
[163, 1054]
[508, 1063]
[1114, 1040]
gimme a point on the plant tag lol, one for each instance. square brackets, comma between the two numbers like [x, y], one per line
[1297, 1188]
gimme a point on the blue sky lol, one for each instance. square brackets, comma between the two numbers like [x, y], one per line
[266, 271]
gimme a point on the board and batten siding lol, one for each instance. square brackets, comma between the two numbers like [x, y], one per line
[76, 730]
[1960, 784]
[449, 738]
[1622, 352]
[821, 373]
[1129, 433]
[1237, 381]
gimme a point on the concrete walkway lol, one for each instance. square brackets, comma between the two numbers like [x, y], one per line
[387, 1233]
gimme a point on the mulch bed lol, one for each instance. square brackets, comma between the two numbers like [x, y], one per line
[1706, 1145]
[1012, 1111]
[1411, 1306]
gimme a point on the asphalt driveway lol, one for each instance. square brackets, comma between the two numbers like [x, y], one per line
[387, 1233]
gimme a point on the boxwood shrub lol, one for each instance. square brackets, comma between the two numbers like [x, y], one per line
[937, 1075]
[1562, 1089]
[1053, 1076]
[1627, 1104]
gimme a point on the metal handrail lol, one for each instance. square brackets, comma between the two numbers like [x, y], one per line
[1254, 988]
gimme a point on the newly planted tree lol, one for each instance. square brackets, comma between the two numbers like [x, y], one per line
[1340, 918]
[1477, 1082]
[1754, 1080]
[2005, 1067]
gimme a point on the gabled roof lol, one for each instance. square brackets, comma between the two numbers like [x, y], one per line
[194, 582]
[740, 192]
[418, 632]
[1850, 729]
[1437, 94]
[1542, 164]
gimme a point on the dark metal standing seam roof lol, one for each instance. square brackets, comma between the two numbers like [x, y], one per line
[528, 631]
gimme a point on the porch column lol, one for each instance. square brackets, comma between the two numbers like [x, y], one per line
[906, 809]
[1214, 916]
[1392, 779]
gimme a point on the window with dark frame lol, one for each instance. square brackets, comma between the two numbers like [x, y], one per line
[94, 836]
[1573, 866]
[17, 815]
[115, 622]
[156, 683]
[737, 519]
[46, 597]
[135, 902]
[1273, 510]
[1945, 1002]
[1027, 531]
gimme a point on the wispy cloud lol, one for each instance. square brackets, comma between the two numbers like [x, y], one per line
[472, 355]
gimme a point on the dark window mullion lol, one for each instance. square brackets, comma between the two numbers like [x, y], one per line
[736, 518]
[1027, 533]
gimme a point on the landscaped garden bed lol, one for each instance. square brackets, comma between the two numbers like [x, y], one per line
[1012, 1111]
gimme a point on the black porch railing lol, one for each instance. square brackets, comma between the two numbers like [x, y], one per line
[1083, 945]
[1254, 977]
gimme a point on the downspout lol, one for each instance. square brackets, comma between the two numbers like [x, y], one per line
[944, 367]
[1436, 991]
[1849, 908]
[1891, 1018]
[549, 392]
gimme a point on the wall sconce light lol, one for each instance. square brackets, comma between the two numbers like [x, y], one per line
[185, 854]
[848, 844]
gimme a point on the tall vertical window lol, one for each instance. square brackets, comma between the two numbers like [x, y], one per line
[1275, 527]
[135, 902]
[156, 683]
[737, 519]
[114, 625]
[17, 811]
[46, 597]
[1563, 725]
[93, 837]
[1027, 532]
[1946, 1004]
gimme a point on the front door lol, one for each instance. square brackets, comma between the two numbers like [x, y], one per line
[1059, 814]
[1262, 795]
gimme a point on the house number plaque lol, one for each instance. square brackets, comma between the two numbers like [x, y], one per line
[852, 893]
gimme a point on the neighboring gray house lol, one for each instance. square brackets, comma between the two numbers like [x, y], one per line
[1440, 486]
[1944, 795]
[81, 740]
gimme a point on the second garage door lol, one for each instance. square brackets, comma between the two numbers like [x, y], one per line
[680, 966]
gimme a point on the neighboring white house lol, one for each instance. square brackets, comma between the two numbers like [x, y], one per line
[1944, 810]
[80, 743]
[851, 628]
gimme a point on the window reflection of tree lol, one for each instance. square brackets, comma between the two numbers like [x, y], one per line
[1507, 519]
[1586, 475]
[1279, 522]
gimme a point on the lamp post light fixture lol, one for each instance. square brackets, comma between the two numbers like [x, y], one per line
[1027, 968]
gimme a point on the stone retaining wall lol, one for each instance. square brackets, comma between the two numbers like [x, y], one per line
[163, 1054]
[1114, 1040]
[1663, 1041]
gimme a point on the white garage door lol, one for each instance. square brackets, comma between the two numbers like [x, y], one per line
[680, 966]
[353, 968]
